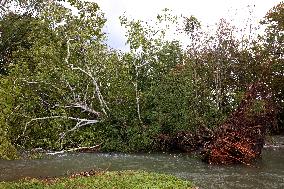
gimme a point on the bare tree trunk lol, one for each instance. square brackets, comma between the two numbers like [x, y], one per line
[88, 72]
[137, 93]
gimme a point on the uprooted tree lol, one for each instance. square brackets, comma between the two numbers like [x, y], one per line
[240, 138]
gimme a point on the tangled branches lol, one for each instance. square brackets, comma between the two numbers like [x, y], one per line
[241, 137]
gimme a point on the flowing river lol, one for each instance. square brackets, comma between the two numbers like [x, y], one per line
[268, 172]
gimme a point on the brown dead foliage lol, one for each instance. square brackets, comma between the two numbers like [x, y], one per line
[240, 138]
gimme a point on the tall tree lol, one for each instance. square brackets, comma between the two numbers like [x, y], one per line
[272, 54]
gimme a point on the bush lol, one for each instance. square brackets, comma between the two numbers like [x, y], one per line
[7, 150]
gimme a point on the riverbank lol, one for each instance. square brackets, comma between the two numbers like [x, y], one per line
[114, 179]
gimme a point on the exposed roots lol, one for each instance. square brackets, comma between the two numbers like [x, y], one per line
[240, 138]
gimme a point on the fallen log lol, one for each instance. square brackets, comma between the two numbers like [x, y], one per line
[79, 149]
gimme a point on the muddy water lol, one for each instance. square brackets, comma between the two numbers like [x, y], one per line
[268, 172]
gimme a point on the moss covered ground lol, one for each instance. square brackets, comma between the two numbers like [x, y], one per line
[105, 180]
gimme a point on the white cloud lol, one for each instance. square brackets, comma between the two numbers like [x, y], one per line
[207, 11]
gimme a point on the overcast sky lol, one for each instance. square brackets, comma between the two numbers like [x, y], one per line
[207, 11]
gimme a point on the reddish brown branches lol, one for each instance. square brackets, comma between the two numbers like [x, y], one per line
[241, 137]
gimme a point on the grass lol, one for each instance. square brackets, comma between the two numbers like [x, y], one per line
[111, 180]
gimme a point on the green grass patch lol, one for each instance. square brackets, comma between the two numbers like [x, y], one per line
[121, 179]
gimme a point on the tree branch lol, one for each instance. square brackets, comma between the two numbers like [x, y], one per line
[80, 123]
[88, 73]
[84, 107]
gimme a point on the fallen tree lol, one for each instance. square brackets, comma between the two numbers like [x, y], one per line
[240, 138]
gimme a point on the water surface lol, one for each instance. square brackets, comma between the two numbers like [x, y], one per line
[268, 172]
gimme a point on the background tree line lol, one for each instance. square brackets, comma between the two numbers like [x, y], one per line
[61, 86]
